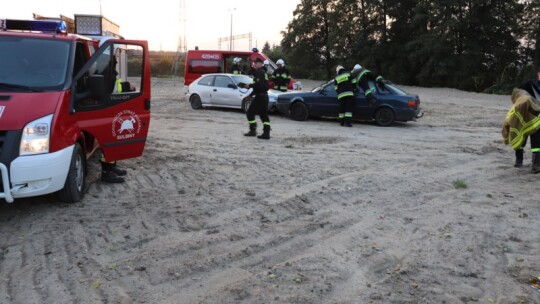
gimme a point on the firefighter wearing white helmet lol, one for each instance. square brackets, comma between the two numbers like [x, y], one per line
[281, 77]
[344, 88]
[235, 68]
[361, 76]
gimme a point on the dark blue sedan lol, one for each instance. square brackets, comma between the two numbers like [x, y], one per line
[393, 104]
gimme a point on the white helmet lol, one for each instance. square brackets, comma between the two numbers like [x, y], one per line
[266, 62]
[237, 60]
[339, 68]
[280, 62]
[357, 67]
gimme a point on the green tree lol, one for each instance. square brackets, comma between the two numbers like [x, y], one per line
[307, 41]
[266, 48]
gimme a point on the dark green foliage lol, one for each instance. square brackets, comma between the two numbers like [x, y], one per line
[489, 45]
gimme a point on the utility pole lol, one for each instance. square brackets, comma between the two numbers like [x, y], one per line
[181, 49]
[230, 36]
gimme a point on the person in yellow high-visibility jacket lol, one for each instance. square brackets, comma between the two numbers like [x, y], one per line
[522, 121]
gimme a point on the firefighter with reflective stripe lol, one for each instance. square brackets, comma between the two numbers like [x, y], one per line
[259, 105]
[235, 68]
[361, 77]
[281, 76]
[533, 88]
[344, 88]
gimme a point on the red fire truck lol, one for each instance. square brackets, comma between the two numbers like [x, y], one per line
[60, 101]
[199, 62]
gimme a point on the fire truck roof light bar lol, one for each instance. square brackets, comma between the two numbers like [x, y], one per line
[58, 27]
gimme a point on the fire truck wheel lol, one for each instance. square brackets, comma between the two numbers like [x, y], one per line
[195, 101]
[73, 190]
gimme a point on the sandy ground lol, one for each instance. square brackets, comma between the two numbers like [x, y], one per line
[318, 214]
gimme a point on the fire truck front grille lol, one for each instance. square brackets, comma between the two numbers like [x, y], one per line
[9, 147]
[2, 140]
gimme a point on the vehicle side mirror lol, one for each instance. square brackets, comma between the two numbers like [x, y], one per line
[96, 84]
[232, 86]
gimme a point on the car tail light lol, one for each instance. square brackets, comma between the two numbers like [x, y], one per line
[412, 103]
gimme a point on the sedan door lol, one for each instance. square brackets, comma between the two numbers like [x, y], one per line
[325, 102]
[225, 92]
[205, 89]
[362, 108]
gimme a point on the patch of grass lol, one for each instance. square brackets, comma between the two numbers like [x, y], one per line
[459, 184]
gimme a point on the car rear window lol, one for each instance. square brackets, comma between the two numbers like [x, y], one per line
[206, 81]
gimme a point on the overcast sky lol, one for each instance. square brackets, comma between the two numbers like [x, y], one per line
[158, 21]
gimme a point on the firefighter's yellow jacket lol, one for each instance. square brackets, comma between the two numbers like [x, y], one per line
[522, 119]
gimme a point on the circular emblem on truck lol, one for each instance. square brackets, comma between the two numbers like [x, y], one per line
[126, 125]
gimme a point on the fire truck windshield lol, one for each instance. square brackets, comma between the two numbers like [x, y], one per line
[33, 64]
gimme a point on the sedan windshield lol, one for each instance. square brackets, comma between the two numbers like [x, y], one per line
[32, 64]
[242, 79]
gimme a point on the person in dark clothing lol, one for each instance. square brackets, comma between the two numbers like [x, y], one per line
[281, 76]
[259, 105]
[533, 88]
[361, 77]
[236, 68]
[266, 63]
[344, 88]
[110, 172]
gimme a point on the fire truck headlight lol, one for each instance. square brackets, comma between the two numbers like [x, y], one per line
[36, 136]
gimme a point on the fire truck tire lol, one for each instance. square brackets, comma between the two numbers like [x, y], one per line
[73, 190]
[196, 102]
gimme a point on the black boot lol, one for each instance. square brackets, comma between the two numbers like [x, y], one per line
[266, 133]
[536, 163]
[341, 121]
[252, 130]
[519, 158]
[118, 171]
[108, 175]
[348, 122]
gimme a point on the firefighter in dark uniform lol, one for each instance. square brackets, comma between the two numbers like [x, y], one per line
[533, 88]
[281, 76]
[361, 77]
[110, 172]
[235, 68]
[259, 105]
[344, 88]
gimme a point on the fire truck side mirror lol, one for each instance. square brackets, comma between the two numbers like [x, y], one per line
[96, 84]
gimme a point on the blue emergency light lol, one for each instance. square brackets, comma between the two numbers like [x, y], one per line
[58, 27]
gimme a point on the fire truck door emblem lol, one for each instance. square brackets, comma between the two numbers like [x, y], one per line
[2, 110]
[126, 125]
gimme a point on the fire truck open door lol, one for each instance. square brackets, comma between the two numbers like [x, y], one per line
[111, 98]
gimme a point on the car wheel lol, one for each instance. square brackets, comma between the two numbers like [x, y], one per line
[299, 111]
[246, 103]
[384, 117]
[73, 190]
[196, 102]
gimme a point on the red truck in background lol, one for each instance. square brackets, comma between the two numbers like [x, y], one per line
[59, 103]
[199, 62]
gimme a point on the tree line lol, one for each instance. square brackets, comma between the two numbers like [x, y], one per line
[483, 45]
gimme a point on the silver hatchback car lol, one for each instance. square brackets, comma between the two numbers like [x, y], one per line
[222, 90]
